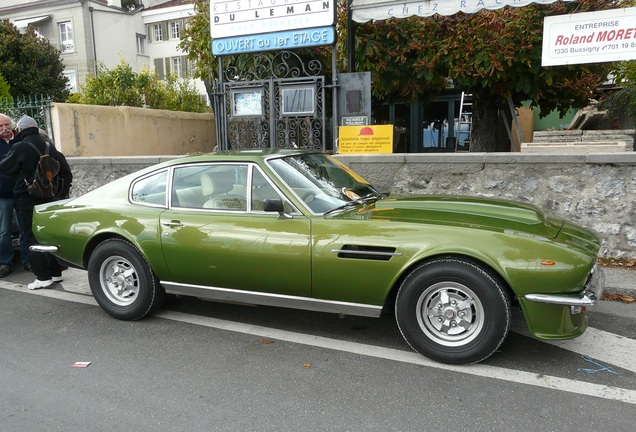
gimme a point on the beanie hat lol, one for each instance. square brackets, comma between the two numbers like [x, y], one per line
[26, 122]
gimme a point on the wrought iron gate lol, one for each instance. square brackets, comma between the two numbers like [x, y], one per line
[270, 101]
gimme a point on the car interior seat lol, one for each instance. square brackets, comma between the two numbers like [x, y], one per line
[217, 187]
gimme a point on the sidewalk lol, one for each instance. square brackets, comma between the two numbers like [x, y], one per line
[620, 281]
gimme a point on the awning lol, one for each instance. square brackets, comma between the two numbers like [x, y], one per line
[367, 10]
[21, 23]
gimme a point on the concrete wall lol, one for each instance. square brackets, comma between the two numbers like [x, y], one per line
[596, 190]
[91, 130]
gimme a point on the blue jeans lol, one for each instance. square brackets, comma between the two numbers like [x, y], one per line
[6, 220]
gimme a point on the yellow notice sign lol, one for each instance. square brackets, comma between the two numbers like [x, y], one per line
[365, 139]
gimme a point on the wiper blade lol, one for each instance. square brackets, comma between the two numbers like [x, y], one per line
[362, 200]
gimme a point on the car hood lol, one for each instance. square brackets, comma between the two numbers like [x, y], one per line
[476, 213]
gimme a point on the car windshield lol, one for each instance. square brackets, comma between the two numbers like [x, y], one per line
[323, 183]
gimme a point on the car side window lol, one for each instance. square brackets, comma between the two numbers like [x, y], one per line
[186, 187]
[262, 190]
[224, 187]
[150, 190]
[211, 186]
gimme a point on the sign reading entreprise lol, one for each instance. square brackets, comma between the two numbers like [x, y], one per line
[365, 139]
[590, 37]
[248, 17]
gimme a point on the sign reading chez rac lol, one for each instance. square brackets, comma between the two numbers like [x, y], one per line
[240, 26]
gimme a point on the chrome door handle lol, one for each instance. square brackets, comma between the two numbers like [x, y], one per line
[172, 224]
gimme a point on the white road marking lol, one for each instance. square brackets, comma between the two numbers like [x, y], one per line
[605, 346]
[510, 375]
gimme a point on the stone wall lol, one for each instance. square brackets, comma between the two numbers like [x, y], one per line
[595, 190]
[586, 136]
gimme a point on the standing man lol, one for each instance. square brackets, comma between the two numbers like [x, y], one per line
[20, 163]
[7, 200]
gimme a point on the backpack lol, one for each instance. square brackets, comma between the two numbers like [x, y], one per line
[46, 182]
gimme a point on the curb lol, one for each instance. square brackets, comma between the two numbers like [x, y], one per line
[620, 281]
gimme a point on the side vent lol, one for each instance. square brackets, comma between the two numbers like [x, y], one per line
[376, 253]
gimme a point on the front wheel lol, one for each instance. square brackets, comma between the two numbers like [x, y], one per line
[453, 311]
[122, 281]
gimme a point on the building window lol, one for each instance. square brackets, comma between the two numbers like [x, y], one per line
[176, 67]
[71, 76]
[38, 31]
[175, 29]
[298, 100]
[141, 44]
[158, 32]
[247, 102]
[66, 37]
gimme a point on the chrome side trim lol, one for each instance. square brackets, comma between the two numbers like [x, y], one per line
[363, 252]
[43, 248]
[269, 299]
[589, 296]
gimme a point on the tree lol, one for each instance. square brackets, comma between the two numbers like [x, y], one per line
[118, 86]
[123, 86]
[491, 54]
[196, 41]
[625, 96]
[5, 89]
[30, 64]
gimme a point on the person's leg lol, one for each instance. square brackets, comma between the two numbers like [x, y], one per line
[38, 260]
[6, 241]
[24, 247]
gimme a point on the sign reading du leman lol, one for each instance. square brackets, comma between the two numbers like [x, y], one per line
[249, 17]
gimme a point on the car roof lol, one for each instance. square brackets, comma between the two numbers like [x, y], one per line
[252, 155]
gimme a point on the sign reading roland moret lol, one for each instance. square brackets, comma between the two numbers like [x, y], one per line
[249, 17]
[589, 37]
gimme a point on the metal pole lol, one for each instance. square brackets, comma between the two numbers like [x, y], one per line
[334, 80]
[351, 40]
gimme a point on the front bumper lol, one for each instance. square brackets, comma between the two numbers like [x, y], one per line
[591, 293]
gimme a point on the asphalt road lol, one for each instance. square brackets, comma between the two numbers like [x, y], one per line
[202, 366]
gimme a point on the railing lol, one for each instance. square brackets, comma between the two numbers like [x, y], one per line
[38, 107]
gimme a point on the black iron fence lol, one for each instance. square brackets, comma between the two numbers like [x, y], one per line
[38, 107]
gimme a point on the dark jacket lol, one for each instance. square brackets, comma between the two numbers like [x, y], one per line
[22, 159]
[6, 181]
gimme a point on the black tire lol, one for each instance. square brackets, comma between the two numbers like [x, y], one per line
[122, 281]
[453, 311]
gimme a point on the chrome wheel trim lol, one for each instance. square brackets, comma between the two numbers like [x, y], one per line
[450, 314]
[119, 280]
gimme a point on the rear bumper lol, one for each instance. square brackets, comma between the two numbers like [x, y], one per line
[43, 248]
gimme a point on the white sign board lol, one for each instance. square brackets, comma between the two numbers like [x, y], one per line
[301, 38]
[590, 37]
[248, 17]
[367, 10]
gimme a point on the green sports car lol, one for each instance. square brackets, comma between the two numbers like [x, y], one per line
[296, 228]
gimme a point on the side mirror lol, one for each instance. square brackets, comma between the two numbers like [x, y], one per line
[275, 205]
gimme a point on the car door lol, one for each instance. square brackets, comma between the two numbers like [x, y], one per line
[210, 236]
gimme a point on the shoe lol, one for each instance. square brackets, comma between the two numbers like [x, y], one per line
[27, 267]
[57, 279]
[4, 270]
[38, 284]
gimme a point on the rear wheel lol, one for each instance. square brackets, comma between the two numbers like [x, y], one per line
[122, 281]
[453, 311]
